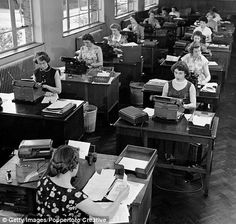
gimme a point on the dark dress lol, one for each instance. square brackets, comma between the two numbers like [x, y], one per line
[178, 151]
[56, 202]
[46, 77]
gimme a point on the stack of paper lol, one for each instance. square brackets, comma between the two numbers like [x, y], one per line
[201, 120]
[99, 184]
[212, 63]
[132, 164]
[130, 44]
[58, 105]
[134, 190]
[210, 87]
[82, 146]
[149, 111]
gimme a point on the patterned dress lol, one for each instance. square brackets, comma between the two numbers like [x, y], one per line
[55, 202]
[90, 55]
[196, 65]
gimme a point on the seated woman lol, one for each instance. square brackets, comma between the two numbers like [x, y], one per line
[174, 12]
[136, 28]
[197, 64]
[45, 75]
[152, 21]
[211, 22]
[58, 199]
[206, 31]
[116, 39]
[216, 16]
[179, 87]
[90, 53]
[199, 38]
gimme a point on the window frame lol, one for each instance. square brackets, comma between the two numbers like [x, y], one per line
[14, 29]
[125, 13]
[88, 12]
[150, 5]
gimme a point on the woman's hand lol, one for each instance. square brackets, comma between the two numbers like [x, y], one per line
[38, 84]
[124, 192]
[45, 86]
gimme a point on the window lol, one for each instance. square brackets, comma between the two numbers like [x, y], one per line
[80, 13]
[16, 27]
[150, 3]
[123, 7]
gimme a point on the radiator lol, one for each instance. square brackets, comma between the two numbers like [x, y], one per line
[97, 35]
[22, 68]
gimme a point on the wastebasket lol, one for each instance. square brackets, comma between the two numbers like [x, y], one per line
[90, 116]
[136, 94]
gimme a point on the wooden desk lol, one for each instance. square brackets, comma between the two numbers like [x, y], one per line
[24, 121]
[23, 195]
[172, 132]
[103, 95]
[212, 100]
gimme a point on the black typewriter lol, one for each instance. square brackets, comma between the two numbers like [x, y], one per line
[74, 66]
[148, 28]
[130, 36]
[107, 50]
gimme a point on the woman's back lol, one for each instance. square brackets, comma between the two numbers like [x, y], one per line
[58, 202]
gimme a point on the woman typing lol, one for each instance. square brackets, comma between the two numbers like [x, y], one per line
[90, 53]
[197, 64]
[45, 75]
[152, 21]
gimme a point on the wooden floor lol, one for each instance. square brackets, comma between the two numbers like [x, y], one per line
[193, 208]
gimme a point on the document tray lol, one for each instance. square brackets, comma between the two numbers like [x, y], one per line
[139, 153]
[205, 130]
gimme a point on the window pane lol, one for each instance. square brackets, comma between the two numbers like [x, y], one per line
[6, 41]
[121, 9]
[23, 13]
[78, 21]
[73, 7]
[5, 17]
[24, 36]
[64, 24]
[94, 17]
[64, 9]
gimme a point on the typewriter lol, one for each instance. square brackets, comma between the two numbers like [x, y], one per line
[130, 36]
[74, 66]
[167, 108]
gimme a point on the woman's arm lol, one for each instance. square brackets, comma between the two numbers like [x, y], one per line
[141, 31]
[95, 210]
[192, 93]
[206, 74]
[165, 89]
[99, 58]
[79, 57]
[56, 89]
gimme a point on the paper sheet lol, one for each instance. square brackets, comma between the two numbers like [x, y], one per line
[134, 190]
[187, 116]
[172, 58]
[82, 146]
[50, 99]
[212, 63]
[121, 215]
[98, 185]
[131, 164]
[59, 104]
[130, 44]
[149, 111]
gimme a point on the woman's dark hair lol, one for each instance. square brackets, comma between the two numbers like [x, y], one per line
[64, 159]
[41, 56]
[88, 37]
[181, 66]
[115, 26]
[151, 11]
[176, 9]
[203, 19]
[199, 33]
[193, 46]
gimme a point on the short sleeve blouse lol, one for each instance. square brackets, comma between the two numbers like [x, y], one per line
[196, 65]
[90, 55]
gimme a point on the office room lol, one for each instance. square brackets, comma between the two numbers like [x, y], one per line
[125, 107]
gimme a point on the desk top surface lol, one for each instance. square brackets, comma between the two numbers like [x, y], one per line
[103, 162]
[21, 109]
[179, 129]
